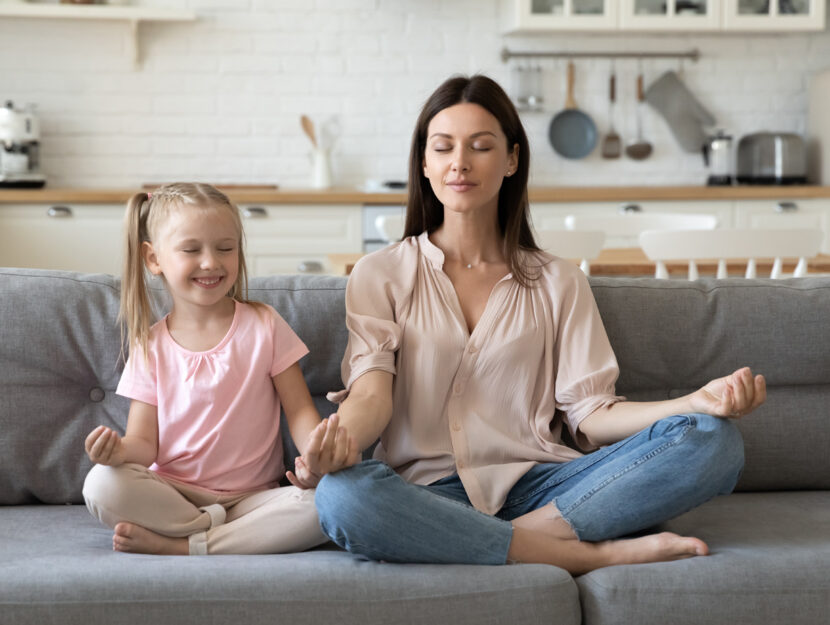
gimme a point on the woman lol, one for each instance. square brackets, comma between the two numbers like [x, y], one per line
[469, 349]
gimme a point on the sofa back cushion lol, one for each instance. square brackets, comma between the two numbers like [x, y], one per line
[673, 336]
[60, 364]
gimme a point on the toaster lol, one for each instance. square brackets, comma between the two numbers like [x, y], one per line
[772, 158]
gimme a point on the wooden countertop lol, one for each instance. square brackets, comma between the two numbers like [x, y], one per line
[632, 262]
[349, 195]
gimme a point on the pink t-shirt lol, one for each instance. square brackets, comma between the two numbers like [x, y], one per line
[218, 410]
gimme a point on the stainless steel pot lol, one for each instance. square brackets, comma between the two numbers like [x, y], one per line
[772, 158]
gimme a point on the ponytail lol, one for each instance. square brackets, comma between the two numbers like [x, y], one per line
[135, 312]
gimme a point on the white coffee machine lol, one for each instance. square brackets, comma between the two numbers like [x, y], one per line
[19, 148]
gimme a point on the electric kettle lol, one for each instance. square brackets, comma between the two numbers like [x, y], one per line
[717, 156]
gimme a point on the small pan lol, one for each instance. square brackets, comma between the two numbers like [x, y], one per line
[572, 133]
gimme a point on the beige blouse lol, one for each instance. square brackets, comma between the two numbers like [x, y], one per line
[488, 405]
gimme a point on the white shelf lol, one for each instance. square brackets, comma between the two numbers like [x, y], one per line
[133, 15]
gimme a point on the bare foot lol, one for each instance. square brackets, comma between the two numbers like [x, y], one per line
[663, 547]
[132, 538]
[579, 557]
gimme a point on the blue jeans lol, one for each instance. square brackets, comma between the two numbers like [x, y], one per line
[655, 475]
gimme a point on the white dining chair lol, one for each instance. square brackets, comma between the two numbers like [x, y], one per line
[582, 245]
[731, 243]
[390, 227]
[623, 229]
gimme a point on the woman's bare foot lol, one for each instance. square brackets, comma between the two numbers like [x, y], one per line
[663, 547]
[132, 538]
[579, 557]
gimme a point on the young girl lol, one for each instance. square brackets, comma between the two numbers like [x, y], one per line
[206, 384]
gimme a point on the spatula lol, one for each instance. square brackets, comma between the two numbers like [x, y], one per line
[308, 128]
[639, 149]
[611, 143]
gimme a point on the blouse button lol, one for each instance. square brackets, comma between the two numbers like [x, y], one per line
[457, 388]
[456, 426]
[472, 349]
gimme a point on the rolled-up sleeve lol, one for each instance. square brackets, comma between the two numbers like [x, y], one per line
[372, 304]
[587, 369]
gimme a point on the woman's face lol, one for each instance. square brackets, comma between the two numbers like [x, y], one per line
[466, 158]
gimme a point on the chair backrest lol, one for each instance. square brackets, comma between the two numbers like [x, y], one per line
[623, 229]
[731, 243]
[390, 227]
[582, 245]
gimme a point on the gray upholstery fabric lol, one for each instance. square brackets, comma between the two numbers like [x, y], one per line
[59, 366]
[672, 336]
[57, 566]
[769, 563]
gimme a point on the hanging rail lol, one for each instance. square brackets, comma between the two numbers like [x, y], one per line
[506, 55]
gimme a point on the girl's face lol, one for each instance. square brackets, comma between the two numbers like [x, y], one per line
[466, 157]
[196, 249]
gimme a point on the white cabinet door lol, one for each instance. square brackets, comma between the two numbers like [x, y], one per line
[775, 214]
[298, 238]
[671, 15]
[551, 215]
[548, 15]
[69, 237]
[774, 15]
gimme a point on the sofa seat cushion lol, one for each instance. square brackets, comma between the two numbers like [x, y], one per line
[769, 563]
[57, 566]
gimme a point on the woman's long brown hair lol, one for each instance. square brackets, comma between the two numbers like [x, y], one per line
[425, 212]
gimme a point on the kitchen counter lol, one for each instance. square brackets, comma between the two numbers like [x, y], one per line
[351, 195]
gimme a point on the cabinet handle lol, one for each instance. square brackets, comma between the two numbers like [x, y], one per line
[786, 207]
[631, 208]
[254, 212]
[310, 266]
[59, 211]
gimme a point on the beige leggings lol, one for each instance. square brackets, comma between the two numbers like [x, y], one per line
[279, 520]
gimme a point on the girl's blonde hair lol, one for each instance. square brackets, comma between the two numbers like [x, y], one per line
[145, 214]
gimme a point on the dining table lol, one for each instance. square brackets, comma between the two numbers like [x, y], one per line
[633, 262]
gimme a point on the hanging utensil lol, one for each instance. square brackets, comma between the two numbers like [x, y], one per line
[639, 149]
[572, 133]
[308, 129]
[611, 143]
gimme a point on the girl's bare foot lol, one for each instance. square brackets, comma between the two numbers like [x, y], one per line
[132, 538]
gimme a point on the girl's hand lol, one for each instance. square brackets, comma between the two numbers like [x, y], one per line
[104, 446]
[731, 396]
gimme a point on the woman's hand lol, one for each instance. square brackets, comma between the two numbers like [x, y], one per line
[104, 446]
[329, 449]
[732, 396]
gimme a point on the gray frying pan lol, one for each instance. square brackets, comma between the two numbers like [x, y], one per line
[572, 133]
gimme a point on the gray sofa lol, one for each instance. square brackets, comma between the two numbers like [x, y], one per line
[770, 541]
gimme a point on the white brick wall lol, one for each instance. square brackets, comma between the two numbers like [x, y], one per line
[220, 99]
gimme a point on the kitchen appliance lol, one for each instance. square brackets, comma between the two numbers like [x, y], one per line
[19, 148]
[772, 158]
[717, 155]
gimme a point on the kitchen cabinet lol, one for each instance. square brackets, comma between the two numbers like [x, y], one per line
[544, 15]
[89, 237]
[670, 15]
[777, 214]
[284, 238]
[774, 15]
[76, 237]
[529, 16]
[551, 215]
